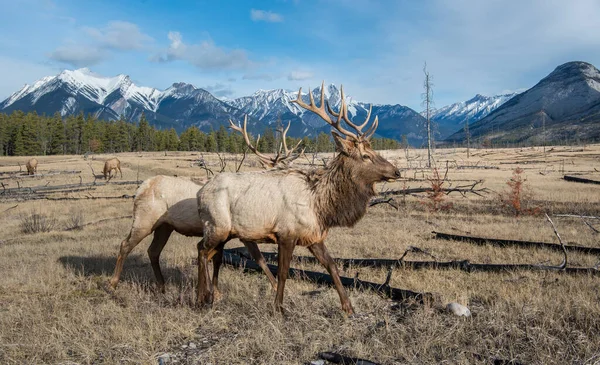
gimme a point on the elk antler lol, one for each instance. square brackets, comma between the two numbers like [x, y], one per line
[342, 114]
[285, 158]
[287, 152]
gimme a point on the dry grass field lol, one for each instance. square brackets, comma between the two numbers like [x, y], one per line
[54, 308]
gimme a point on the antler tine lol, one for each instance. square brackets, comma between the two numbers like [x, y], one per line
[320, 111]
[344, 114]
[265, 160]
[371, 131]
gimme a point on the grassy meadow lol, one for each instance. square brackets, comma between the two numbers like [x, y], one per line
[54, 308]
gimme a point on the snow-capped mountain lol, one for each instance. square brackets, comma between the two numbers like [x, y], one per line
[566, 104]
[451, 118]
[269, 106]
[73, 92]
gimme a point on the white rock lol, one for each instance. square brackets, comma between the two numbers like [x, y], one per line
[192, 345]
[458, 309]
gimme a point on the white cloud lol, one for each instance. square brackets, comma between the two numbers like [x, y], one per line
[78, 55]
[219, 90]
[99, 44]
[299, 75]
[119, 35]
[265, 16]
[205, 55]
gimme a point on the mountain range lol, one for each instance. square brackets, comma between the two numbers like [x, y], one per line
[564, 106]
[568, 95]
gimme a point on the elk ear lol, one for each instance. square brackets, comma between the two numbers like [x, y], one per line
[342, 144]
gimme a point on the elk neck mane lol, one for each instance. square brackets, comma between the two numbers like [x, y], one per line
[340, 198]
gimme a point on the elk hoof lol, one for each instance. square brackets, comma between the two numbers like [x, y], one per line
[217, 296]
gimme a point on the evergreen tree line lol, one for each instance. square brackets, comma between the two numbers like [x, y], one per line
[32, 134]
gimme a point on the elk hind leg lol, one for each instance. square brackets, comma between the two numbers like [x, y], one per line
[257, 256]
[161, 236]
[217, 260]
[284, 256]
[135, 236]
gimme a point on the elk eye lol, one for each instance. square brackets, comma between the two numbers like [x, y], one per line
[366, 157]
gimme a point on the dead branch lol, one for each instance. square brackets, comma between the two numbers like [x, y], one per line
[461, 189]
[13, 207]
[389, 201]
[504, 242]
[232, 259]
[591, 227]
[580, 180]
[98, 221]
[564, 262]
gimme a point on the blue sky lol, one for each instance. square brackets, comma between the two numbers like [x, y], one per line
[376, 49]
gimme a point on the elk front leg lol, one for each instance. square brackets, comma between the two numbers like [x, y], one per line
[207, 248]
[285, 250]
[320, 252]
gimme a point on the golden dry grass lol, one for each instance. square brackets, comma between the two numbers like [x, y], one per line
[53, 308]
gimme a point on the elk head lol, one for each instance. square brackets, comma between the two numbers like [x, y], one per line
[354, 147]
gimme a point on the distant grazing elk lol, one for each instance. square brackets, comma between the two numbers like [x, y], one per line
[31, 166]
[164, 204]
[109, 166]
[292, 207]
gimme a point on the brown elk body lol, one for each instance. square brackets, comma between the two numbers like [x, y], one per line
[292, 207]
[109, 166]
[164, 204]
[31, 166]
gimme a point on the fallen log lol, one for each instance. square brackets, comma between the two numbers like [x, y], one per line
[580, 180]
[321, 278]
[504, 242]
[53, 188]
[86, 197]
[576, 216]
[462, 167]
[462, 265]
[344, 360]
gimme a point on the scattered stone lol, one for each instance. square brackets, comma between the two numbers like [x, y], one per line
[164, 359]
[317, 362]
[458, 309]
[192, 345]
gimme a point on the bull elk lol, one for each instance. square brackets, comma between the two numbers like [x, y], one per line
[292, 207]
[109, 166]
[31, 166]
[164, 204]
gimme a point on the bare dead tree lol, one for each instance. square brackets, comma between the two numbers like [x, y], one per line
[427, 102]
[468, 136]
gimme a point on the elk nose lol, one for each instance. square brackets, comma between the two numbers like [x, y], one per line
[397, 173]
